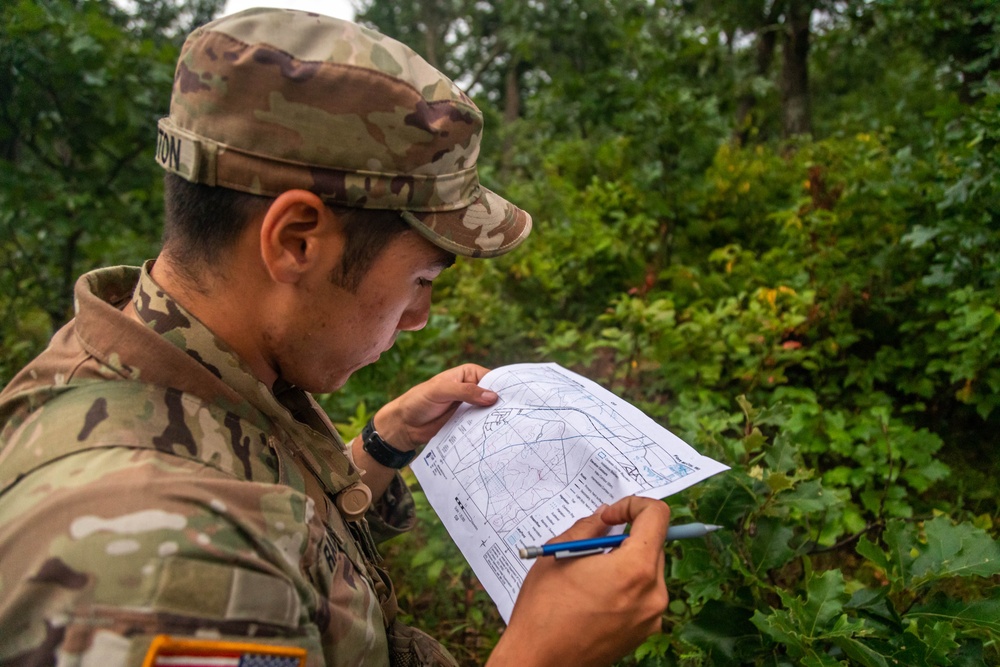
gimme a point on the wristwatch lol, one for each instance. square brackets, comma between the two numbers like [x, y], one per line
[382, 451]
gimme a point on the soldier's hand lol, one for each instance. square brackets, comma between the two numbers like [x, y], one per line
[592, 610]
[415, 417]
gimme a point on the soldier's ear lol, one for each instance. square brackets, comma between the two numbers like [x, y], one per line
[298, 234]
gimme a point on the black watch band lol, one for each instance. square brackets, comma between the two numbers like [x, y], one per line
[382, 451]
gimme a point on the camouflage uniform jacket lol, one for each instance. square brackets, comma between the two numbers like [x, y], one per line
[151, 485]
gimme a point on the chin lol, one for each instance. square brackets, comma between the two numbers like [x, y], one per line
[319, 385]
[324, 384]
[330, 385]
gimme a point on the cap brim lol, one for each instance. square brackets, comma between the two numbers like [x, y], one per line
[489, 227]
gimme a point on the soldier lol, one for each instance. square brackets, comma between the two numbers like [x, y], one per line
[170, 493]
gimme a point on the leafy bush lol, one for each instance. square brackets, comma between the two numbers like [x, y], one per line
[864, 383]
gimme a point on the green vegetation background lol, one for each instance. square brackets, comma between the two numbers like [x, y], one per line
[773, 225]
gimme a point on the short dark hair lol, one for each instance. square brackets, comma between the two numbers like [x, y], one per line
[367, 233]
[201, 222]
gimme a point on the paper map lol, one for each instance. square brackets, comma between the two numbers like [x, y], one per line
[552, 449]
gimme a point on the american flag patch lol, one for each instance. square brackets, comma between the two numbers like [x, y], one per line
[166, 651]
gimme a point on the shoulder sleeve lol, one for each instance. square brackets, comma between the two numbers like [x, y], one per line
[394, 513]
[103, 550]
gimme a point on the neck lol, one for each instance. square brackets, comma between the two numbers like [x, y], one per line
[224, 305]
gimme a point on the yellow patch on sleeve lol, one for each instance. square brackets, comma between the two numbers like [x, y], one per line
[165, 651]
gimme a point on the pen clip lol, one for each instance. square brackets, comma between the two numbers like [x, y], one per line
[573, 554]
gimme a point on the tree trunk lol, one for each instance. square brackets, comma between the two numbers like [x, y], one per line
[511, 110]
[431, 19]
[795, 106]
[767, 37]
[62, 310]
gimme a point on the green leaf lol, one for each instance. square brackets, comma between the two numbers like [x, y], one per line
[825, 598]
[870, 550]
[901, 539]
[970, 653]
[920, 235]
[424, 555]
[728, 498]
[874, 605]
[755, 441]
[861, 653]
[780, 456]
[780, 626]
[771, 545]
[940, 641]
[725, 632]
[748, 410]
[981, 614]
[779, 482]
[810, 497]
[960, 550]
[657, 646]
[697, 572]
[434, 570]
[818, 659]
[803, 625]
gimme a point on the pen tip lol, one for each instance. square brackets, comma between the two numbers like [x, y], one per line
[523, 552]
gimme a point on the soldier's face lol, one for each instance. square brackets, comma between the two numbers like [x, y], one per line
[339, 332]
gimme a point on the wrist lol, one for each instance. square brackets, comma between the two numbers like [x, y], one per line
[514, 651]
[391, 426]
[382, 450]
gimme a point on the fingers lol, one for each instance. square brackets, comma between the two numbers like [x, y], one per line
[650, 518]
[466, 392]
[472, 372]
[414, 417]
[618, 597]
[629, 508]
[467, 388]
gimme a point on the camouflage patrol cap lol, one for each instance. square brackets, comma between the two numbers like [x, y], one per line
[268, 100]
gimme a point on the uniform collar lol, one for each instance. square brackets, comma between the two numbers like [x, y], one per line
[175, 349]
[171, 322]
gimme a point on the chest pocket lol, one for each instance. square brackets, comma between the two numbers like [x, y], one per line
[342, 534]
[408, 646]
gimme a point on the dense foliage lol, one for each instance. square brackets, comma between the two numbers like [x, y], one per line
[81, 86]
[813, 300]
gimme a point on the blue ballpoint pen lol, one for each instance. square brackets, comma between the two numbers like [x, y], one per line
[599, 544]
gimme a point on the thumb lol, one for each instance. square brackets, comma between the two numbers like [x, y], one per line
[585, 528]
[476, 395]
